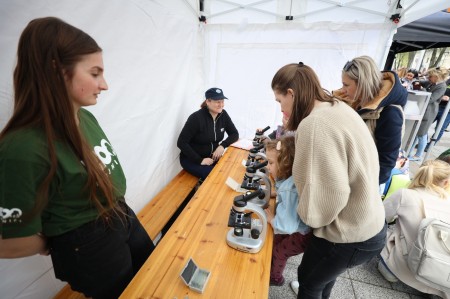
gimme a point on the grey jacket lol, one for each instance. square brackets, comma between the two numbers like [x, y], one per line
[437, 91]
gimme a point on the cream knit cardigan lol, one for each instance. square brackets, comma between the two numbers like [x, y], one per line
[336, 174]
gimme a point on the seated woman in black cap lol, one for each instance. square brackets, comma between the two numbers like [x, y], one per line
[201, 139]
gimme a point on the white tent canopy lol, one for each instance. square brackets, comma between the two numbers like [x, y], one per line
[159, 59]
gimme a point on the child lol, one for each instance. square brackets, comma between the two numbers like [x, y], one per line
[399, 175]
[291, 234]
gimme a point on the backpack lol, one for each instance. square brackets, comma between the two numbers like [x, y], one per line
[429, 257]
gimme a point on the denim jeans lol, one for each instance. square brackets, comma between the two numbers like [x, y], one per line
[100, 258]
[421, 142]
[444, 125]
[324, 261]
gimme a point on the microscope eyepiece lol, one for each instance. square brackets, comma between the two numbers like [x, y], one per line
[262, 131]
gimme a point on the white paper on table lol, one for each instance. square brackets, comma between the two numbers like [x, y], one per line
[235, 185]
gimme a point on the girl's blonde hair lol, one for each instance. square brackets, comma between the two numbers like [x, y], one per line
[431, 175]
[285, 148]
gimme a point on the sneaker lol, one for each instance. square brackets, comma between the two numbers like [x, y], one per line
[294, 286]
[277, 283]
[387, 274]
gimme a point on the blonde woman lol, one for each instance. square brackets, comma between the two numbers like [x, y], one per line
[437, 87]
[406, 206]
[378, 97]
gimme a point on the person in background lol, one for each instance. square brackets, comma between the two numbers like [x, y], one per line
[406, 207]
[201, 140]
[280, 131]
[401, 72]
[409, 79]
[62, 186]
[437, 88]
[335, 172]
[291, 234]
[442, 104]
[399, 175]
[379, 98]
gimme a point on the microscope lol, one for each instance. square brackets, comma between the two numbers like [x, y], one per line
[252, 181]
[259, 136]
[247, 234]
[255, 155]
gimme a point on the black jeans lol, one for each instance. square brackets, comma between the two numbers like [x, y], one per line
[324, 261]
[99, 259]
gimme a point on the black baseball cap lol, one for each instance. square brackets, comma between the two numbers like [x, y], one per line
[215, 93]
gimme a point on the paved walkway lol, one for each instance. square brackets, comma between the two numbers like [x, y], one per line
[362, 282]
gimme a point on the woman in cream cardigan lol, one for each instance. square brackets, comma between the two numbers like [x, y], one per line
[406, 207]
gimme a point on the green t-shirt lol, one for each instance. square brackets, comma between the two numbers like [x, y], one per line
[24, 163]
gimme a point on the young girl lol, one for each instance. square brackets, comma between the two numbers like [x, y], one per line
[291, 234]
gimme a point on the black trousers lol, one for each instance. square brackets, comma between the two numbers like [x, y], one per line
[100, 258]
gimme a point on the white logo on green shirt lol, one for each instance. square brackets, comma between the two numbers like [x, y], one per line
[10, 215]
[106, 154]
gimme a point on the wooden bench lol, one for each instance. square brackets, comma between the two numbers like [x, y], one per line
[155, 215]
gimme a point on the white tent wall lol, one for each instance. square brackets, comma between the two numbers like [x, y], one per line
[247, 41]
[258, 51]
[258, 40]
[159, 60]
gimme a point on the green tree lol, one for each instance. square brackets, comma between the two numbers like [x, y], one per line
[436, 56]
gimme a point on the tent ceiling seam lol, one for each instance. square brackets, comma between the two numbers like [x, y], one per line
[409, 7]
[335, 4]
[247, 6]
[197, 14]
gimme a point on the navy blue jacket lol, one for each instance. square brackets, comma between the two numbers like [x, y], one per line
[201, 135]
[388, 131]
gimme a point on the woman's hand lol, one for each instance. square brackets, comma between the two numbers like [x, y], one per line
[207, 161]
[218, 153]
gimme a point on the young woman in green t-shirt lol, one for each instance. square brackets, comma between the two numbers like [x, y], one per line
[62, 186]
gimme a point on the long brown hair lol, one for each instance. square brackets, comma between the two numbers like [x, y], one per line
[306, 86]
[48, 50]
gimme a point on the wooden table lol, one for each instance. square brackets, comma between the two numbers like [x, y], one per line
[200, 232]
